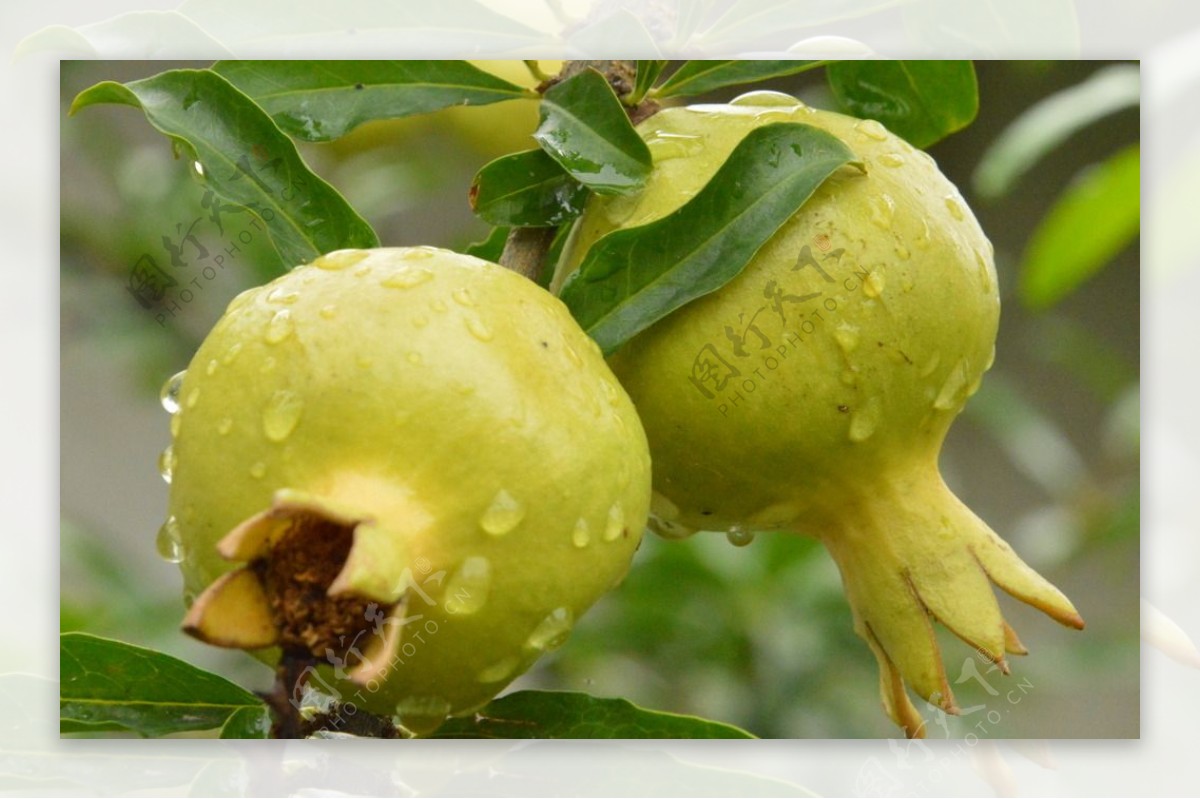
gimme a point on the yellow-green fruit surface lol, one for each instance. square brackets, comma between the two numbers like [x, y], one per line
[852, 338]
[456, 405]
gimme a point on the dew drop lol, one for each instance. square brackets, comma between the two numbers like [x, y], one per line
[283, 297]
[438, 306]
[892, 160]
[991, 358]
[362, 271]
[956, 382]
[169, 394]
[903, 252]
[922, 240]
[192, 398]
[421, 715]
[552, 632]
[873, 284]
[500, 670]
[765, 98]
[865, 420]
[407, 278]
[282, 414]
[739, 536]
[505, 513]
[420, 320]
[664, 146]
[846, 336]
[467, 589]
[339, 259]
[872, 130]
[929, 368]
[572, 355]
[985, 274]
[479, 330]
[224, 426]
[280, 326]
[328, 311]
[420, 253]
[166, 463]
[231, 354]
[581, 536]
[463, 297]
[211, 369]
[169, 541]
[176, 421]
[614, 526]
[953, 207]
[258, 470]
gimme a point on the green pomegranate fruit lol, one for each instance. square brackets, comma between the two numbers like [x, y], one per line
[407, 464]
[812, 393]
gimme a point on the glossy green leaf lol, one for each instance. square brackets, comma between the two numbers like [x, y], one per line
[554, 714]
[1050, 122]
[920, 101]
[490, 248]
[700, 77]
[526, 189]
[106, 685]
[647, 73]
[244, 158]
[632, 278]
[322, 100]
[1091, 222]
[585, 129]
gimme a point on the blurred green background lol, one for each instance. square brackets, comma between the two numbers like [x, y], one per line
[759, 636]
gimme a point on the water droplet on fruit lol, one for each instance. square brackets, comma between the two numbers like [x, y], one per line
[467, 589]
[929, 368]
[500, 670]
[767, 98]
[192, 398]
[232, 353]
[362, 271]
[985, 274]
[739, 537]
[420, 253]
[991, 358]
[421, 715]
[282, 414]
[505, 513]
[952, 389]
[408, 278]
[420, 320]
[258, 470]
[166, 463]
[665, 146]
[872, 130]
[552, 632]
[865, 420]
[873, 284]
[169, 394]
[614, 526]
[176, 421]
[328, 311]
[224, 426]
[581, 536]
[283, 297]
[339, 259]
[169, 541]
[902, 252]
[463, 297]
[883, 208]
[211, 369]
[280, 326]
[953, 207]
[846, 336]
[479, 330]
[921, 241]
[438, 305]
[892, 160]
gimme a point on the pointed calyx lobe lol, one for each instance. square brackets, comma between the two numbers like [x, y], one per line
[911, 554]
[312, 585]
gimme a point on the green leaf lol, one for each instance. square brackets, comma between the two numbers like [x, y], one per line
[245, 159]
[1050, 122]
[647, 73]
[920, 101]
[1091, 222]
[107, 685]
[554, 714]
[701, 77]
[490, 248]
[585, 129]
[322, 100]
[526, 189]
[631, 278]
